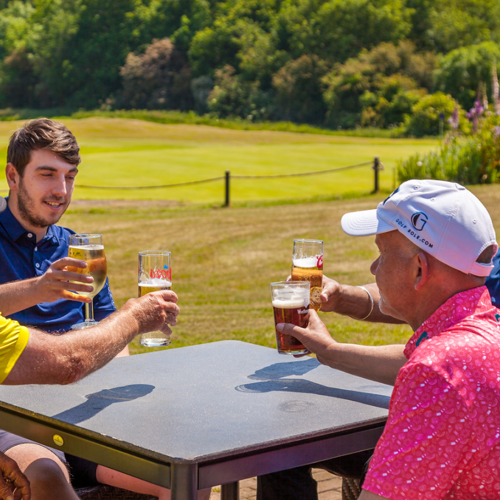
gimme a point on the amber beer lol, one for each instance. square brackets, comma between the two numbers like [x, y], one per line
[291, 305]
[89, 248]
[308, 266]
[97, 266]
[145, 287]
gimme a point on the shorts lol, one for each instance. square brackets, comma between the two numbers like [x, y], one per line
[82, 472]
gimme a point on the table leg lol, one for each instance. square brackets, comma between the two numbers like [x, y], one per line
[184, 482]
[230, 491]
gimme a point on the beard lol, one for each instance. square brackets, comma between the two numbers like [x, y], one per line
[26, 207]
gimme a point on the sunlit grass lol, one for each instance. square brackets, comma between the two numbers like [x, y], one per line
[120, 152]
[224, 259]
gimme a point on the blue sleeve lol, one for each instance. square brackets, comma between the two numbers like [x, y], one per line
[493, 281]
[104, 304]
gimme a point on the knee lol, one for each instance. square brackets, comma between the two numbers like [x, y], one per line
[46, 478]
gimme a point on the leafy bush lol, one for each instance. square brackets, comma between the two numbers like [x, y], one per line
[431, 116]
[361, 92]
[158, 79]
[465, 159]
[391, 104]
[299, 88]
[461, 72]
[232, 96]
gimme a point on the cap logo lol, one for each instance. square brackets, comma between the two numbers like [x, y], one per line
[419, 220]
[392, 194]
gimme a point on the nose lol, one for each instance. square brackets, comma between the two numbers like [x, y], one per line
[59, 188]
[373, 267]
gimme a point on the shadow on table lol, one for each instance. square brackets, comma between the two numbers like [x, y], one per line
[273, 380]
[279, 370]
[98, 401]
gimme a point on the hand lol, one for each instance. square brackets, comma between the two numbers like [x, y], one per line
[55, 283]
[332, 290]
[13, 483]
[154, 311]
[315, 337]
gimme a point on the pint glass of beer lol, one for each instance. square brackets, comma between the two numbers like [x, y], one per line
[155, 274]
[308, 266]
[291, 305]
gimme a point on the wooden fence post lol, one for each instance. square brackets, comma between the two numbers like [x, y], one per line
[228, 178]
[376, 169]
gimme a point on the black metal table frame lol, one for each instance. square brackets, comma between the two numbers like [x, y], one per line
[184, 478]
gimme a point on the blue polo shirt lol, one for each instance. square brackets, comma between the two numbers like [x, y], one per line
[21, 258]
[493, 281]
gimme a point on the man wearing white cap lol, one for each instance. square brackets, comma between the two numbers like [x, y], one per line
[442, 438]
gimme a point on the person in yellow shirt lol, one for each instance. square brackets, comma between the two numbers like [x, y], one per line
[31, 356]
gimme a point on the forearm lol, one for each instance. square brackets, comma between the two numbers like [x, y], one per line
[19, 295]
[89, 350]
[50, 359]
[378, 363]
[354, 302]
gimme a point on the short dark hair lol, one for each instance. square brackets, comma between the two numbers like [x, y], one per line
[42, 133]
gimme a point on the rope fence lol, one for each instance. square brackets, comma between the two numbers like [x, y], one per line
[376, 166]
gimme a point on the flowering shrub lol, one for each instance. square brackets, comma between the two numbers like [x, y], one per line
[466, 159]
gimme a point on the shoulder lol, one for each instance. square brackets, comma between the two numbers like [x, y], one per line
[470, 337]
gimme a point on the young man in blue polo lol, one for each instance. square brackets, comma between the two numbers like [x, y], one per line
[35, 289]
[42, 164]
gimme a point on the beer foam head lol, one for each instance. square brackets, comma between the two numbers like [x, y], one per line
[289, 297]
[290, 303]
[88, 247]
[306, 262]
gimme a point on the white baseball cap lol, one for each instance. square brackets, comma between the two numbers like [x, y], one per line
[443, 218]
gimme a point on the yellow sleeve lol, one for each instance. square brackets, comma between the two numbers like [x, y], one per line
[13, 340]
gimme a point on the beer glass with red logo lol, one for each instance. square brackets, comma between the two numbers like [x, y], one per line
[308, 266]
[290, 305]
[155, 273]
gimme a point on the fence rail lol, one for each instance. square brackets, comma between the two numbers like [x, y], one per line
[376, 166]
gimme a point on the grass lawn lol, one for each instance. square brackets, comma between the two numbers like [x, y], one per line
[224, 259]
[128, 152]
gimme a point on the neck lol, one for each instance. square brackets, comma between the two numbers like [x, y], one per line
[428, 301]
[39, 232]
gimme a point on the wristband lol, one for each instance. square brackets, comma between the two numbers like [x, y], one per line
[371, 301]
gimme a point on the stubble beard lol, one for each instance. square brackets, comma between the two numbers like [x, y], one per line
[26, 207]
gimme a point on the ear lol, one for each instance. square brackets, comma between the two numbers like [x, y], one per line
[12, 176]
[423, 270]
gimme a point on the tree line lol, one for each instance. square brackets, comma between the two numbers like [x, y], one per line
[333, 63]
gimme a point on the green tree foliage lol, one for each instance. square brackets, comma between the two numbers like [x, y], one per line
[361, 92]
[233, 96]
[431, 116]
[276, 31]
[335, 30]
[463, 71]
[457, 23]
[339, 63]
[391, 103]
[299, 89]
[74, 49]
[157, 79]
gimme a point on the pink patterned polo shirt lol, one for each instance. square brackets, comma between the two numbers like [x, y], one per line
[442, 438]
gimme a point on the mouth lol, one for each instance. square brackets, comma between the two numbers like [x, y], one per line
[55, 205]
